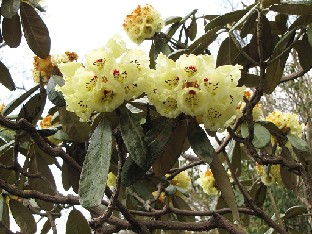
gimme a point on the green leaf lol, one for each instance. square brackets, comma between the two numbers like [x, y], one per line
[289, 179]
[6, 158]
[298, 143]
[249, 25]
[262, 136]
[249, 80]
[273, 129]
[295, 211]
[273, 75]
[133, 136]
[33, 109]
[18, 101]
[192, 29]
[46, 227]
[179, 203]
[23, 217]
[76, 130]
[5, 77]
[225, 19]
[2, 204]
[293, 9]
[199, 46]
[172, 151]
[258, 193]
[56, 97]
[152, 56]
[224, 185]
[304, 50]
[77, 223]
[131, 172]
[172, 20]
[173, 28]
[200, 143]
[227, 53]
[161, 46]
[96, 165]
[158, 138]
[11, 31]
[235, 157]
[38, 164]
[35, 31]
[309, 34]
[5, 215]
[9, 8]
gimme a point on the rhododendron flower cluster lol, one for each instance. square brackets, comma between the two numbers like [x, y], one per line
[143, 23]
[208, 183]
[194, 86]
[287, 122]
[270, 176]
[44, 68]
[102, 84]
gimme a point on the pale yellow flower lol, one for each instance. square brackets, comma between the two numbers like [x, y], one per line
[182, 180]
[111, 180]
[192, 85]
[287, 122]
[142, 23]
[274, 175]
[208, 183]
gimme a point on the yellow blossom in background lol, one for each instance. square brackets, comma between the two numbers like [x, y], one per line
[182, 180]
[142, 23]
[208, 183]
[287, 122]
[274, 175]
[2, 106]
[111, 180]
[257, 112]
[161, 197]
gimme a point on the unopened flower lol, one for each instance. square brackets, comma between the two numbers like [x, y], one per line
[287, 122]
[43, 69]
[142, 23]
[111, 180]
[208, 183]
[46, 122]
[182, 180]
[66, 57]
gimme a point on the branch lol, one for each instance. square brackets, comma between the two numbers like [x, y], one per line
[57, 199]
[295, 75]
[23, 124]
